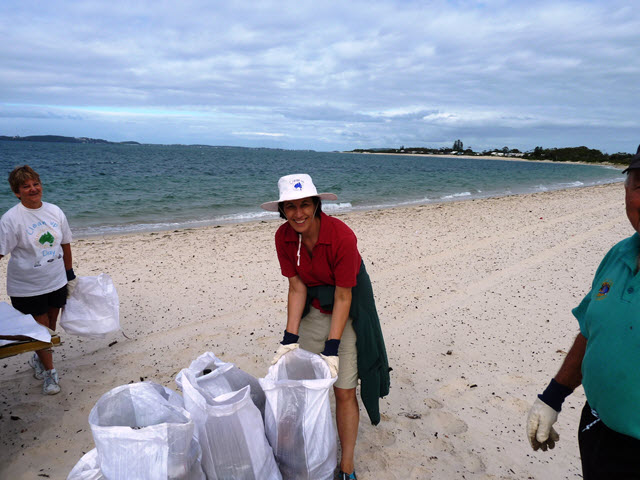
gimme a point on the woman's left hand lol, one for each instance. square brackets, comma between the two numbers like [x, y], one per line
[334, 362]
[71, 286]
[72, 280]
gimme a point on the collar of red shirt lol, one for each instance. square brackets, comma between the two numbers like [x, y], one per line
[290, 235]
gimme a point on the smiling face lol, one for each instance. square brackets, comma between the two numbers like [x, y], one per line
[301, 214]
[632, 198]
[30, 193]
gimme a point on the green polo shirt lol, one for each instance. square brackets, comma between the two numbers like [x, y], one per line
[609, 318]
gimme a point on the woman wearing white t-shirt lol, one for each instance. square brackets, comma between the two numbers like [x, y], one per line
[40, 273]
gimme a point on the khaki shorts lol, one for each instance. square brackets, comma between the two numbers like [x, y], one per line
[314, 331]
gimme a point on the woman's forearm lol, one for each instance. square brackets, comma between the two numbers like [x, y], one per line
[340, 314]
[296, 300]
[570, 373]
[67, 258]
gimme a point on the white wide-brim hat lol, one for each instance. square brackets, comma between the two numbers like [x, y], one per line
[295, 187]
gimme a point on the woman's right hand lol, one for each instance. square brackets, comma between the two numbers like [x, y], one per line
[283, 349]
[289, 342]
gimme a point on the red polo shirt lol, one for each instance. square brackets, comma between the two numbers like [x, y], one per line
[335, 260]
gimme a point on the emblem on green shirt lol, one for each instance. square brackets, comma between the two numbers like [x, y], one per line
[604, 289]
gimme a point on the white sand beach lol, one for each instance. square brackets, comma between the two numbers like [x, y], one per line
[475, 300]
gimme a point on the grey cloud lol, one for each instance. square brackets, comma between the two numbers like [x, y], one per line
[306, 70]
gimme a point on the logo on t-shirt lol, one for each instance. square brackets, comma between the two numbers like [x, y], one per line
[46, 238]
[605, 288]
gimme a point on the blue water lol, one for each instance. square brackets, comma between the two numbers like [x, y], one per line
[126, 188]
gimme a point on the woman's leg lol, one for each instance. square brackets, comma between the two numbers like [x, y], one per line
[53, 317]
[347, 419]
[49, 320]
[45, 356]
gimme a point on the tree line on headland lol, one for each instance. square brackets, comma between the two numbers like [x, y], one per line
[567, 154]
[61, 139]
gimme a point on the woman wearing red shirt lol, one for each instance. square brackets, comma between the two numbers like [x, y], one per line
[315, 249]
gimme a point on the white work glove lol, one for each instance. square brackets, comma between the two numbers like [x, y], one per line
[282, 349]
[71, 286]
[540, 426]
[333, 362]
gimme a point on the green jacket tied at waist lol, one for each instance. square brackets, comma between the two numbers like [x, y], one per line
[373, 366]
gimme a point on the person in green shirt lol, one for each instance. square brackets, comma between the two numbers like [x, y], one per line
[605, 359]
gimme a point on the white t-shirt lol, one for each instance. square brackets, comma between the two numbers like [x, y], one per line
[33, 238]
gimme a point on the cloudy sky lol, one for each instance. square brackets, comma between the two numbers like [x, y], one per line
[325, 75]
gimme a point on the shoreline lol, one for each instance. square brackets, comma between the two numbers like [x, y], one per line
[474, 298]
[418, 203]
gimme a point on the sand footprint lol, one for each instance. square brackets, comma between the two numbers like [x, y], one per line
[446, 423]
[473, 463]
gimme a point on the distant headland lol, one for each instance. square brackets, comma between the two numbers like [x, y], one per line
[61, 139]
[568, 154]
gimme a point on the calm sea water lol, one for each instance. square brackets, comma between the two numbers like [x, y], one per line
[126, 188]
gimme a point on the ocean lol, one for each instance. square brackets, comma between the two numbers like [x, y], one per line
[113, 188]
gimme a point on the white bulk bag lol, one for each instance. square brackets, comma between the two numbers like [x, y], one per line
[217, 377]
[87, 468]
[231, 433]
[141, 434]
[298, 420]
[93, 309]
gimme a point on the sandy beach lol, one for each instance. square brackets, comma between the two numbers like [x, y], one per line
[475, 300]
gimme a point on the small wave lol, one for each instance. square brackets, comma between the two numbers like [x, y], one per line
[336, 207]
[455, 195]
[243, 216]
[571, 184]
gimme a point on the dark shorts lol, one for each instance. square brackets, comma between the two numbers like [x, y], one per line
[40, 304]
[605, 453]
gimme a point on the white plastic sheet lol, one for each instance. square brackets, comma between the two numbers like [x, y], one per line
[231, 433]
[93, 309]
[87, 468]
[298, 420]
[217, 377]
[15, 323]
[141, 434]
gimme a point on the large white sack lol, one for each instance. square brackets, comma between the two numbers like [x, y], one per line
[87, 468]
[298, 420]
[93, 309]
[231, 433]
[141, 434]
[217, 377]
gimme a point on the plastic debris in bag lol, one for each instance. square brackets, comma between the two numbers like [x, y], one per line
[231, 433]
[87, 468]
[298, 420]
[93, 309]
[217, 377]
[140, 433]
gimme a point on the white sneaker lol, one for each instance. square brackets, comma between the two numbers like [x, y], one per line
[50, 385]
[38, 369]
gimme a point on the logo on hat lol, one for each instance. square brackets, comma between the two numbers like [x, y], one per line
[605, 288]
[297, 184]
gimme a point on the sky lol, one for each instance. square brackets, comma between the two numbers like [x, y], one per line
[325, 75]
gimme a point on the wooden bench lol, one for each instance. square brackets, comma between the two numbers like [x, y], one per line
[25, 344]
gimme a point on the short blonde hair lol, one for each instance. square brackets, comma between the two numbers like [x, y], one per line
[19, 175]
